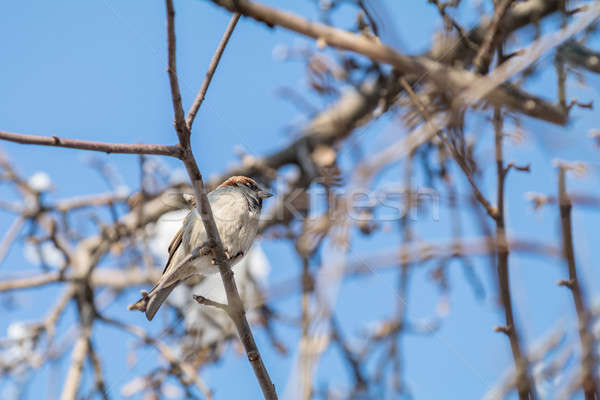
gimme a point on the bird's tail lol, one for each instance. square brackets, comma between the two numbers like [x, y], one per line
[151, 302]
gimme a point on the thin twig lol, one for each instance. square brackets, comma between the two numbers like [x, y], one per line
[588, 359]
[10, 236]
[214, 62]
[484, 55]
[208, 302]
[524, 385]
[180, 125]
[464, 37]
[491, 210]
[97, 366]
[164, 350]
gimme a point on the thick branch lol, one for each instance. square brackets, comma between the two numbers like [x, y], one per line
[356, 107]
[446, 78]
[165, 150]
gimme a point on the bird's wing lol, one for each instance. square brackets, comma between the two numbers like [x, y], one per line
[175, 243]
[229, 211]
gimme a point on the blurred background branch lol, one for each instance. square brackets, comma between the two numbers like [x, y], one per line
[398, 165]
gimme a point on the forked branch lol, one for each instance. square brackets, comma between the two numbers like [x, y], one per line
[234, 302]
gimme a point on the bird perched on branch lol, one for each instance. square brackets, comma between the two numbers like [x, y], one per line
[236, 205]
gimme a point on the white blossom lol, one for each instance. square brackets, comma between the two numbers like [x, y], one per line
[40, 181]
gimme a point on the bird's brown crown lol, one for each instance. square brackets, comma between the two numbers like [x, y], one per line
[237, 181]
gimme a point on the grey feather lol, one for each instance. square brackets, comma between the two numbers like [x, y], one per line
[156, 298]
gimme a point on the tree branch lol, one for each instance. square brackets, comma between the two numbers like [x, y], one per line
[29, 282]
[165, 150]
[484, 55]
[234, 302]
[208, 302]
[446, 78]
[165, 351]
[179, 121]
[580, 56]
[80, 352]
[520, 14]
[491, 210]
[214, 62]
[98, 376]
[523, 380]
[588, 359]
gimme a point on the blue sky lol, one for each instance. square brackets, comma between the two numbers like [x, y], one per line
[96, 70]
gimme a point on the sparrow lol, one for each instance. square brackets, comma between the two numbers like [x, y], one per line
[236, 205]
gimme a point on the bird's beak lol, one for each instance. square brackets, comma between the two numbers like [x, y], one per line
[264, 195]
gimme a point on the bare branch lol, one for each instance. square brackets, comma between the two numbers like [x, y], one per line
[520, 14]
[523, 380]
[484, 55]
[83, 278]
[180, 126]
[214, 62]
[34, 281]
[234, 302]
[165, 150]
[491, 210]
[97, 366]
[101, 199]
[165, 352]
[208, 302]
[10, 236]
[588, 358]
[446, 78]
[80, 352]
[580, 56]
